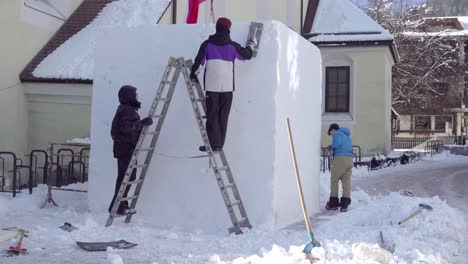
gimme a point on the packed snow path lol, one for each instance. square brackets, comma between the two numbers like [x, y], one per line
[445, 177]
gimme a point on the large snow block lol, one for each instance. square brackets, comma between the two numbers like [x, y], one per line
[283, 80]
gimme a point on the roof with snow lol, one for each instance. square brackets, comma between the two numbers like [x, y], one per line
[341, 21]
[69, 55]
[456, 27]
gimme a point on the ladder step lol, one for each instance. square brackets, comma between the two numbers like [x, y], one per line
[151, 133]
[168, 82]
[129, 198]
[145, 149]
[235, 203]
[242, 220]
[227, 186]
[139, 166]
[158, 116]
[222, 168]
[163, 99]
[134, 182]
[198, 100]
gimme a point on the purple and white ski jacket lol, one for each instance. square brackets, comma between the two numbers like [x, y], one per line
[218, 54]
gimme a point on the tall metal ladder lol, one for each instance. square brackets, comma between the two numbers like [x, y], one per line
[218, 161]
[142, 146]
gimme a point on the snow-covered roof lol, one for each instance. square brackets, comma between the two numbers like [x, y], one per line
[341, 20]
[74, 59]
[460, 30]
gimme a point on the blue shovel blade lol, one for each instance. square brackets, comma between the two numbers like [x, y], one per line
[312, 244]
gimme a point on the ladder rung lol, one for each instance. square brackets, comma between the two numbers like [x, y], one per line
[167, 82]
[222, 169]
[242, 220]
[157, 116]
[228, 186]
[129, 198]
[134, 182]
[139, 166]
[235, 203]
[145, 149]
[198, 100]
[163, 99]
[151, 133]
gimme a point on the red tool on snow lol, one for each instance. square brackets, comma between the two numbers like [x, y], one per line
[18, 249]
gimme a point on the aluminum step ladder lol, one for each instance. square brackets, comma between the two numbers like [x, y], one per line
[158, 111]
[218, 160]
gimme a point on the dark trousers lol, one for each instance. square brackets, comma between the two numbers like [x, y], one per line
[218, 106]
[122, 165]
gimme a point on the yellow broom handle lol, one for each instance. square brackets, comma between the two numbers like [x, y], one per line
[299, 185]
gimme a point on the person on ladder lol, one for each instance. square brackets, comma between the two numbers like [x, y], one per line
[219, 54]
[125, 131]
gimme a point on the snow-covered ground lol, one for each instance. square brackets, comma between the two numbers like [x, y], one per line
[352, 237]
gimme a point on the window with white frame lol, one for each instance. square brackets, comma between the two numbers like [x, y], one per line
[337, 89]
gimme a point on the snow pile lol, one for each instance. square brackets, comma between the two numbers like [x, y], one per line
[80, 140]
[341, 20]
[445, 155]
[352, 237]
[287, 66]
[74, 59]
[113, 257]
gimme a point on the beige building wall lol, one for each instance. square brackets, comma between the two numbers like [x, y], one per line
[20, 43]
[287, 12]
[57, 112]
[370, 97]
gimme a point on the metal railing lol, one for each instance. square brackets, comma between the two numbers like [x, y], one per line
[433, 147]
[326, 158]
[68, 166]
[408, 142]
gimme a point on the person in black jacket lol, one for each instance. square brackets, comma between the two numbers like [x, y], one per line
[219, 54]
[125, 131]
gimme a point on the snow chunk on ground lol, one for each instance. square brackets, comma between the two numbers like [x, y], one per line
[113, 257]
[74, 59]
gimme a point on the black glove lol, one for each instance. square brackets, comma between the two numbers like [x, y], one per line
[193, 77]
[147, 121]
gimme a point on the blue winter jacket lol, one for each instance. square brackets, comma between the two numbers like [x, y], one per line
[341, 143]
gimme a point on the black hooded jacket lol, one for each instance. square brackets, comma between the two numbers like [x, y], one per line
[126, 125]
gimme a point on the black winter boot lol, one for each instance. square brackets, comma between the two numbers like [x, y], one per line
[332, 204]
[345, 202]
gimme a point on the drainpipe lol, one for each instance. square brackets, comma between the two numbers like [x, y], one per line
[174, 11]
[302, 18]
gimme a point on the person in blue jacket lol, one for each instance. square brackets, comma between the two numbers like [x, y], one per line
[342, 167]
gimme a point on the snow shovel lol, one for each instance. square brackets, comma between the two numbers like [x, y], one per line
[313, 243]
[421, 207]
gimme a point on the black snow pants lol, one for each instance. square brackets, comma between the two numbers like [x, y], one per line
[218, 106]
[122, 164]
